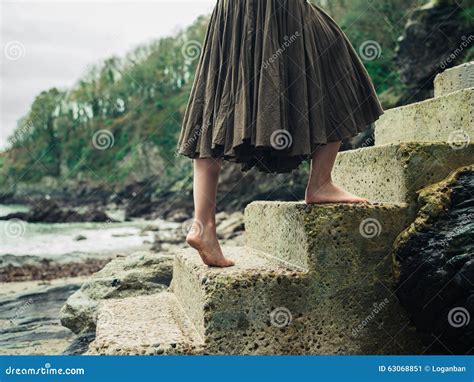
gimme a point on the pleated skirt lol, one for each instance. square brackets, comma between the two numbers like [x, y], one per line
[276, 79]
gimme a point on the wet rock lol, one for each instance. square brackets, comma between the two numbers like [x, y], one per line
[49, 211]
[435, 38]
[80, 238]
[80, 344]
[434, 265]
[139, 201]
[29, 321]
[141, 273]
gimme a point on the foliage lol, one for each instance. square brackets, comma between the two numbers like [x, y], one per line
[140, 99]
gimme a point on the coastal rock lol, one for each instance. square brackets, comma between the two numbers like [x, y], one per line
[231, 226]
[141, 273]
[435, 38]
[434, 265]
[29, 321]
[80, 344]
[26, 268]
[48, 211]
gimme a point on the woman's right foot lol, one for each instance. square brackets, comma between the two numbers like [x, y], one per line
[331, 193]
[204, 240]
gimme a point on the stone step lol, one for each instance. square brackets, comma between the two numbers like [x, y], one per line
[241, 309]
[266, 305]
[314, 237]
[151, 325]
[448, 118]
[454, 79]
[350, 305]
[394, 173]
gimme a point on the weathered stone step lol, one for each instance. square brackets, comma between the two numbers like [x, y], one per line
[350, 305]
[394, 173]
[154, 324]
[241, 309]
[311, 237]
[454, 79]
[449, 118]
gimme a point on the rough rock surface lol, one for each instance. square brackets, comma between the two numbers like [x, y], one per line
[454, 79]
[29, 321]
[448, 118]
[141, 273]
[434, 265]
[394, 173]
[159, 327]
[434, 39]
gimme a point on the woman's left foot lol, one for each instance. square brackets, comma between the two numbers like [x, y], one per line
[204, 240]
[331, 193]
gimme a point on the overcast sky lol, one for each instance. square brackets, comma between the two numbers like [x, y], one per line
[51, 43]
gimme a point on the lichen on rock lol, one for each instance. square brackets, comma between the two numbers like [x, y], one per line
[434, 264]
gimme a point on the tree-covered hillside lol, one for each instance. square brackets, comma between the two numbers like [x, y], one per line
[120, 122]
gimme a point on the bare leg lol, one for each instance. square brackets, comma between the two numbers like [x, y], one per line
[321, 188]
[202, 235]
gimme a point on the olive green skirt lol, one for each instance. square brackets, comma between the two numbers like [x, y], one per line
[276, 79]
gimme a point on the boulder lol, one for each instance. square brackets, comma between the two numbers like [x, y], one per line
[435, 38]
[231, 226]
[141, 273]
[49, 211]
[434, 265]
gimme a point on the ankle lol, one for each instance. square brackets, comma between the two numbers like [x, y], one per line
[316, 184]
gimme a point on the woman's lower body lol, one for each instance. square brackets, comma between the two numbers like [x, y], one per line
[277, 83]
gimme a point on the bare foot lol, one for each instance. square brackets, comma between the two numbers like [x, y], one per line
[204, 240]
[331, 193]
